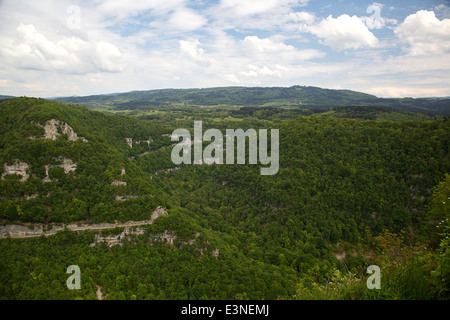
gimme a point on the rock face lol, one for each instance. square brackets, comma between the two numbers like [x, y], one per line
[159, 211]
[18, 167]
[125, 198]
[167, 237]
[130, 227]
[117, 239]
[164, 170]
[216, 253]
[67, 164]
[51, 131]
[130, 141]
[118, 183]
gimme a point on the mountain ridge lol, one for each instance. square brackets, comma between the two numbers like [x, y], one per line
[297, 97]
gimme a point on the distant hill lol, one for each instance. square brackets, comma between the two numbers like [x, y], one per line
[301, 97]
[2, 97]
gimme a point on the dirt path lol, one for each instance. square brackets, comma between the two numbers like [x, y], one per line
[99, 293]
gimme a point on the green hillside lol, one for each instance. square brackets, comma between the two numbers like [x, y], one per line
[97, 156]
[350, 192]
[298, 97]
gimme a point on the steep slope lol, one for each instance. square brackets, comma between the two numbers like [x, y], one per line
[64, 163]
[230, 233]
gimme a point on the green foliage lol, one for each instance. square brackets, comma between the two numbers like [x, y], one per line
[356, 186]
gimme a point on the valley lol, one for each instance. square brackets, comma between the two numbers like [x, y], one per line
[356, 186]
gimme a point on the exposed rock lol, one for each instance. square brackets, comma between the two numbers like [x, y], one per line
[51, 131]
[130, 141]
[67, 164]
[125, 198]
[37, 229]
[165, 171]
[117, 239]
[118, 183]
[216, 253]
[18, 167]
[159, 211]
[99, 293]
[167, 236]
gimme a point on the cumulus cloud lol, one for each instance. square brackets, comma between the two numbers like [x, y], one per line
[250, 7]
[33, 50]
[423, 33]
[344, 32]
[302, 16]
[255, 71]
[267, 48]
[193, 50]
[186, 20]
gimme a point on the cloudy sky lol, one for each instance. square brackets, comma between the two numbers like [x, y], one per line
[64, 48]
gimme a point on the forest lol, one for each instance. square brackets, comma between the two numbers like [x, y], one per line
[357, 185]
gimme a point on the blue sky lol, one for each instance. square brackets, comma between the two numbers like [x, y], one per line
[64, 48]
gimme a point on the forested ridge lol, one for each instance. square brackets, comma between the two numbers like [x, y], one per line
[353, 189]
[295, 97]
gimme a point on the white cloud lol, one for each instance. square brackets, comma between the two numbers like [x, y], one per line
[395, 91]
[302, 16]
[232, 78]
[255, 71]
[423, 34]
[144, 44]
[194, 51]
[192, 48]
[250, 7]
[344, 32]
[266, 48]
[33, 50]
[186, 20]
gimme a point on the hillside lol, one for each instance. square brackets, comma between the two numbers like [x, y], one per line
[349, 193]
[299, 97]
[60, 163]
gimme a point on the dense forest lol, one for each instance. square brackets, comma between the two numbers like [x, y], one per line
[356, 186]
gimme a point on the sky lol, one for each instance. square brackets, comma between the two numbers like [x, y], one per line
[78, 48]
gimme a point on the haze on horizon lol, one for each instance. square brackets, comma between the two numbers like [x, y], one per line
[67, 48]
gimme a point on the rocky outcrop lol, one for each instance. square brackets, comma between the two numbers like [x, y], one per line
[130, 141]
[216, 253]
[167, 237]
[159, 211]
[37, 229]
[164, 171]
[18, 168]
[67, 164]
[112, 240]
[54, 128]
[118, 183]
[125, 198]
